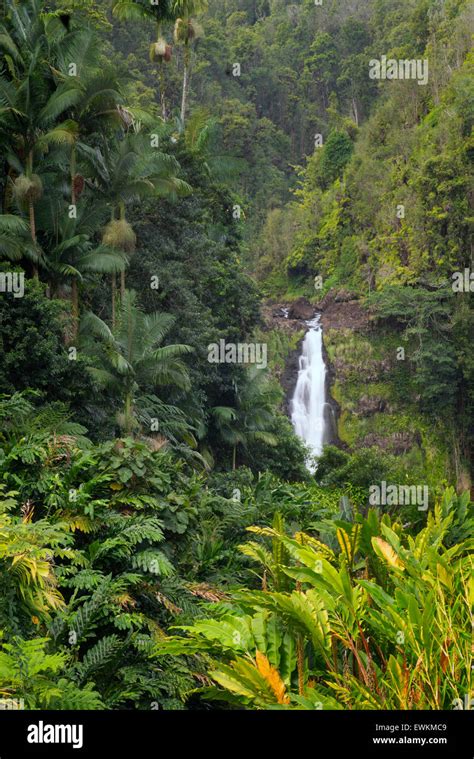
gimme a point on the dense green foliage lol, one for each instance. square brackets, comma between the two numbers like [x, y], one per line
[381, 623]
[163, 168]
[103, 547]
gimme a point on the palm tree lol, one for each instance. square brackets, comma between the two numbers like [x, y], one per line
[186, 31]
[31, 102]
[72, 253]
[15, 240]
[252, 415]
[98, 103]
[201, 139]
[131, 360]
[160, 50]
[133, 170]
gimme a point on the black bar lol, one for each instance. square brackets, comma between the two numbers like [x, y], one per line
[139, 734]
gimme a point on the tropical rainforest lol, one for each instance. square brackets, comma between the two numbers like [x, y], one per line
[175, 174]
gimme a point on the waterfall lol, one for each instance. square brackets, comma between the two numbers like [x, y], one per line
[308, 407]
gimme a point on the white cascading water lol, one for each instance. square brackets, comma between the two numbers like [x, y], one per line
[309, 401]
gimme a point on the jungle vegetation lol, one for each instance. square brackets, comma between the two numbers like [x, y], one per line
[162, 543]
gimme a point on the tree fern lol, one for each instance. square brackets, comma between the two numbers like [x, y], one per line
[99, 656]
[153, 561]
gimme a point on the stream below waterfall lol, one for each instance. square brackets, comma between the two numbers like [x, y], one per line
[309, 406]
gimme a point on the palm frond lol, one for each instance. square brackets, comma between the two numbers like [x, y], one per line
[127, 10]
[63, 98]
[103, 260]
[91, 324]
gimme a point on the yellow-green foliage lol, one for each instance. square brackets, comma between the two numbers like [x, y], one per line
[366, 367]
[383, 622]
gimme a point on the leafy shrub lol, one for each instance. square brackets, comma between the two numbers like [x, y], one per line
[371, 625]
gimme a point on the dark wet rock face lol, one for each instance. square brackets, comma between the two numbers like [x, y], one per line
[341, 309]
[333, 410]
[289, 377]
[345, 296]
[302, 309]
[398, 443]
[368, 406]
[276, 316]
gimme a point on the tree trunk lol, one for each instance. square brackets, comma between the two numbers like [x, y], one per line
[122, 273]
[73, 175]
[162, 91]
[128, 414]
[185, 94]
[31, 208]
[185, 84]
[234, 458]
[114, 295]
[122, 285]
[161, 76]
[75, 307]
[355, 111]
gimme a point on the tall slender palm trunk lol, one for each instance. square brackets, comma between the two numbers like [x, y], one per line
[128, 414]
[161, 77]
[31, 210]
[73, 175]
[75, 307]
[74, 285]
[122, 273]
[163, 91]
[114, 282]
[114, 298]
[184, 96]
